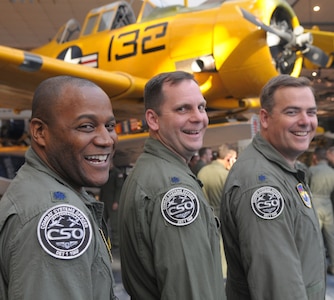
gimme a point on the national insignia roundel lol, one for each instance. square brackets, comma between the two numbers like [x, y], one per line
[180, 206]
[64, 231]
[267, 202]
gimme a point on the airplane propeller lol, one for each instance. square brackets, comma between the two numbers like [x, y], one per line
[285, 41]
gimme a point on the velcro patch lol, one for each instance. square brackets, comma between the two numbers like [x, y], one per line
[267, 202]
[304, 195]
[64, 231]
[180, 206]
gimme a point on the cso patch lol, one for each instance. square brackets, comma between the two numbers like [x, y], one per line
[64, 231]
[180, 206]
[267, 203]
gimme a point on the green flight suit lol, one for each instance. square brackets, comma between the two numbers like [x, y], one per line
[109, 195]
[169, 238]
[50, 242]
[322, 186]
[273, 243]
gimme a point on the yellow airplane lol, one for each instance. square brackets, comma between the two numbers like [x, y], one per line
[232, 48]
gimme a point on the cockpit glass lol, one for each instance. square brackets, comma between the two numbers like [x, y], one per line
[106, 20]
[191, 3]
[90, 24]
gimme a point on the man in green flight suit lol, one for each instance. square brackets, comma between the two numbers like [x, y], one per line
[273, 243]
[169, 238]
[52, 240]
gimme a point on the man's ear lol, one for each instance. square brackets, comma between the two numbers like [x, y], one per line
[264, 116]
[152, 119]
[38, 131]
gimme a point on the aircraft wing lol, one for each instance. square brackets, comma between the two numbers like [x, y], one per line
[130, 146]
[22, 71]
[323, 39]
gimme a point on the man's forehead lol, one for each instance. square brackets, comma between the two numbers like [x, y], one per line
[293, 92]
[294, 98]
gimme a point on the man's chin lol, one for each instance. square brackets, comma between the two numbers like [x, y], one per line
[98, 182]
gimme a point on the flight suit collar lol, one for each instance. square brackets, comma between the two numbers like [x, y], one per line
[96, 207]
[270, 153]
[156, 148]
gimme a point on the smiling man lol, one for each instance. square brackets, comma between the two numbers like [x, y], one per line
[169, 240]
[273, 243]
[52, 244]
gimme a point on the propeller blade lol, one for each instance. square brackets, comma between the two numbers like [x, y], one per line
[251, 18]
[316, 56]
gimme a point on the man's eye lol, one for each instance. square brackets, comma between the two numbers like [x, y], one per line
[202, 108]
[312, 113]
[181, 109]
[291, 112]
[111, 126]
[86, 127]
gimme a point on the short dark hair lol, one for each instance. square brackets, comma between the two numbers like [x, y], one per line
[278, 82]
[202, 151]
[153, 95]
[49, 91]
[320, 153]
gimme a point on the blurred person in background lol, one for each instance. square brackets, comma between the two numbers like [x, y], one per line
[213, 177]
[205, 157]
[322, 186]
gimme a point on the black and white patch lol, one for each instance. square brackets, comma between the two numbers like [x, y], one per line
[180, 206]
[64, 231]
[267, 203]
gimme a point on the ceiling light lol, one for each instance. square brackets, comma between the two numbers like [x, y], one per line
[316, 8]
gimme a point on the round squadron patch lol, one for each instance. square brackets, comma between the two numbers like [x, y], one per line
[64, 231]
[180, 206]
[267, 203]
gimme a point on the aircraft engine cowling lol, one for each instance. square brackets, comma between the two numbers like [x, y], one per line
[286, 58]
[288, 41]
[247, 56]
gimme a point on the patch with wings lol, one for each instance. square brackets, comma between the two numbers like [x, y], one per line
[180, 206]
[267, 202]
[64, 231]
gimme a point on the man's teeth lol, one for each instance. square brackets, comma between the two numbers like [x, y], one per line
[192, 131]
[301, 133]
[97, 158]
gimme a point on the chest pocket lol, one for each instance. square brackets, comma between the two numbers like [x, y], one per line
[305, 213]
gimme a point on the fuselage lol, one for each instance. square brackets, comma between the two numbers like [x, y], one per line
[235, 58]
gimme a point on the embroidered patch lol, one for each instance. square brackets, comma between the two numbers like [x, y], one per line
[180, 206]
[267, 202]
[175, 180]
[304, 195]
[262, 178]
[58, 197]
[64, 231]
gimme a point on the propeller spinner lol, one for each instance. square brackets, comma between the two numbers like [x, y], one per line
[284, 42]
